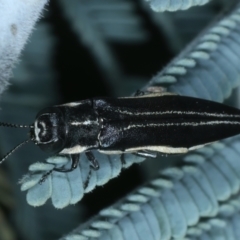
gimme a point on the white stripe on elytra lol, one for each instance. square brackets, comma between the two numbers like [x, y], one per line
[194, 124]
[205, 114]
[87, 122]
[75, 149]
[71, 104]
[162, 149]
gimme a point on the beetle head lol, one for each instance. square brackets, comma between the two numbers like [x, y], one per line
[49, 130]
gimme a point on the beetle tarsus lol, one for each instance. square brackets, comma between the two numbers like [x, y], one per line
[88, 179]
[146, 153]
[94, 163]
[156, 89]
[122, 158]
[75, 160]
[150, 91]
[153, 91]
[139, 93]
[45, 176]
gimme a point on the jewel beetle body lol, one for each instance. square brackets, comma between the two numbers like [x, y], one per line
[144, 125]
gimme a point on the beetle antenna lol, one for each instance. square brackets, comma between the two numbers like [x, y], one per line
[14, 149]
[15, 125]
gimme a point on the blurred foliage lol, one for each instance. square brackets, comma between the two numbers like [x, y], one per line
[6, 205]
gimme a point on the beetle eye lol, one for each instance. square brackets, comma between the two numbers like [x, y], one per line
[45, 129]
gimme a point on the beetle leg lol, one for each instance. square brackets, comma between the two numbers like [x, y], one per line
[156, 89]
[75, 160]
[88, 179]
[139, 93]
[146, 153]
[45, 176]
[153, 92]
[122, 159]
[94, 163]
